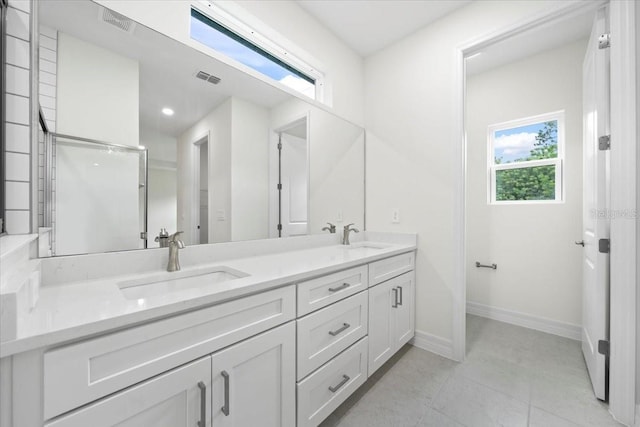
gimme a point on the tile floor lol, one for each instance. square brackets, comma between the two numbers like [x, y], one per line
[512, 376]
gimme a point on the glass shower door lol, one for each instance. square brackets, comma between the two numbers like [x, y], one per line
[99, 197]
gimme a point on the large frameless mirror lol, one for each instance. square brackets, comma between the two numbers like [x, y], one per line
[145, 134]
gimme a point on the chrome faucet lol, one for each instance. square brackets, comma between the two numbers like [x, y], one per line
[174, 244]
[331, 228]
[345, 235]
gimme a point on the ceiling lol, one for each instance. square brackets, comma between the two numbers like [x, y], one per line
[167, 68]
[368, 26]
[532, 42]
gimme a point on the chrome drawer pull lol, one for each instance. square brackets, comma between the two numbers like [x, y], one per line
[345, 379]
[400, 287]
[339, 288]
[203, 404]
[337, 331]
[225, 408]
[395, 298]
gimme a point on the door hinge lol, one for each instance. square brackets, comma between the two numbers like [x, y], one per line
[143, 235]
[604, 246]
[604, 41]
[603, 347]
[604, 142]
[280, 146]
[279, 186]
[279, 227]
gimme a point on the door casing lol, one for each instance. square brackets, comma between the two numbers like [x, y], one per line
[624, 184]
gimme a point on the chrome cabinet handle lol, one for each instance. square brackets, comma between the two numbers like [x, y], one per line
[400, 287]
[395, 298]
[345, 379]
[339, 288]
[581, 243]
[340, 329]
[203, 404]
[225, 408]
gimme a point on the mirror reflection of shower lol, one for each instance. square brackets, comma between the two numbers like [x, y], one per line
[293, 179]
[98, 195]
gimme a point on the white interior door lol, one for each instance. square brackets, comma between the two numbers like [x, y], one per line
[595, 298]
[295, 184]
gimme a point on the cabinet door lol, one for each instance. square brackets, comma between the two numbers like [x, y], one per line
[173, 399]
[404, 324]
[381, 341]
[254, 381]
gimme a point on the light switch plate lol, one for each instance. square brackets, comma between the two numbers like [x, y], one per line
[395, 216]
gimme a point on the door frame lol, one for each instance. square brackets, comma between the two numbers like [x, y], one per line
[204, 138]
[624, 238]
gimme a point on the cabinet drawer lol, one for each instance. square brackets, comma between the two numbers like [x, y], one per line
[324, 390]
[386, 269]
[80, 373]
[171, 399]
[317, 293]
[325, 333]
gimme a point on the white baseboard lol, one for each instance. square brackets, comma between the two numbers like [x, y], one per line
[433, 343]
[549, 326]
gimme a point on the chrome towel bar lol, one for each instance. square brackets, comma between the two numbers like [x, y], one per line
[493, 266]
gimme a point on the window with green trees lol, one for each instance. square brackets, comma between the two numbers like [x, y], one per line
[525, 159]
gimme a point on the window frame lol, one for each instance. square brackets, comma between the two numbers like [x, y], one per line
[558, 162]
[271, 48]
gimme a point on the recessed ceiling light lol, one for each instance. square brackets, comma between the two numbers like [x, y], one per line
[167, 111]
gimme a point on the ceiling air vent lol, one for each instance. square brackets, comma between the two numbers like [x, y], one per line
[208, 77]
[114, 18]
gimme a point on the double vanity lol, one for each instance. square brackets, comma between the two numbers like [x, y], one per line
[274, 333]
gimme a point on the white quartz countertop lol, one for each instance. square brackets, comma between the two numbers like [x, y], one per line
[82, 309]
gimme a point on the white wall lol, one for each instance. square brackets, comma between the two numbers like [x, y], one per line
[217, 125]
[539, 266]
[162, 182]
[238, 172]
[249, 171]
[97, 93]
[410, 112]
[162, 207]
[295, 29]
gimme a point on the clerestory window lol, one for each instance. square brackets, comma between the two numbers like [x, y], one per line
[274, 62]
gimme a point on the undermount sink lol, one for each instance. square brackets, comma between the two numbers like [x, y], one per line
[368, 245]
[168, 282]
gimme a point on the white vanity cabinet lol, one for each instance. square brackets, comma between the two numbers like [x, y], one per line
[282, 357]
[391, 317]
[349, 324]
[248, 384]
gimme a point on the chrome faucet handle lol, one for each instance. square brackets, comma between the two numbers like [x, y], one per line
[355, 230]
[174, 238]
[345, 235]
